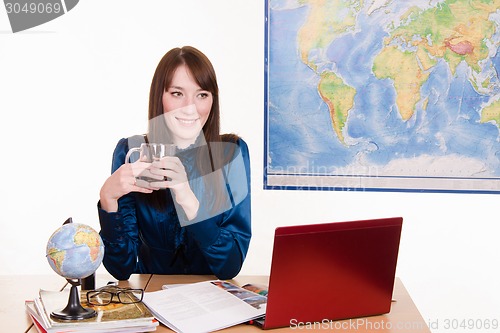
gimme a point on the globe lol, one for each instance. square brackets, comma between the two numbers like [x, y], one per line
[75, 251]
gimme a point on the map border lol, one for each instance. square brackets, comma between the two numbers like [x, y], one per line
[307, 181]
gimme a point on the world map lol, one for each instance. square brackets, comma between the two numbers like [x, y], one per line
[383, 95]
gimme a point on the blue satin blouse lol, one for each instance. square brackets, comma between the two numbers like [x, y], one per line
[141, 238]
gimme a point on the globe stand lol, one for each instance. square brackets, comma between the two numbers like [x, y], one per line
[74, 310]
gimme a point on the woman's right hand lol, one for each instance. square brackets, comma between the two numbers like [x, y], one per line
[123, 181]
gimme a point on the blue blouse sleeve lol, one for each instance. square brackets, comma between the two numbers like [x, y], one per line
[119, 230]
[224, 239]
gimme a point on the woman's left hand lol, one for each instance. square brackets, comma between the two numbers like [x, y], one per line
[174, 173]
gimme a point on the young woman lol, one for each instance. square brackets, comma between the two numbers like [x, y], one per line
[194, 216]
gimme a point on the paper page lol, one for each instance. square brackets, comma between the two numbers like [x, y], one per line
[205, 306]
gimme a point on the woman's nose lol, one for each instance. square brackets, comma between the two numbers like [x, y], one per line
[189, 109]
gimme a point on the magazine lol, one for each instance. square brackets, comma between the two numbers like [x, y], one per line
[205, 306]
[114, 317]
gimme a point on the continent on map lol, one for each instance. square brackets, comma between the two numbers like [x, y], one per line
[339, 97]
[408, 77]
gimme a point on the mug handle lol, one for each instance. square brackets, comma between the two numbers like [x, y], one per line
[130, 152]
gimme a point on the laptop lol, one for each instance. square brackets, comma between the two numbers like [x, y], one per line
[332, 271]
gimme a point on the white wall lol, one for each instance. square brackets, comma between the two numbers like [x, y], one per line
[71, 88]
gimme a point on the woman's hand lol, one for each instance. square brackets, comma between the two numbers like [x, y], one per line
[125, 180]
[174, 176]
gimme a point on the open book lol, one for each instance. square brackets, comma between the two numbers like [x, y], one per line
[205, 306]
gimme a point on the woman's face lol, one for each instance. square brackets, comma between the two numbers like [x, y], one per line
[186, 107]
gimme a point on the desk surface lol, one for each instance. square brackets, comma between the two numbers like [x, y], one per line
[404, 316]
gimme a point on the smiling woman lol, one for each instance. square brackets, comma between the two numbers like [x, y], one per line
[194, 216]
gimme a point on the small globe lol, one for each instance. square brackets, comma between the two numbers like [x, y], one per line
[75, 251]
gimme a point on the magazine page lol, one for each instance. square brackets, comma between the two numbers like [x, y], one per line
[205, 306]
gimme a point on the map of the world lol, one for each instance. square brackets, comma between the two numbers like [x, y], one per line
[383, 95]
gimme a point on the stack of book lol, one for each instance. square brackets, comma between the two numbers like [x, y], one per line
[111, 318]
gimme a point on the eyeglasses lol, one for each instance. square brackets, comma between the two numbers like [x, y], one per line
[105, 295]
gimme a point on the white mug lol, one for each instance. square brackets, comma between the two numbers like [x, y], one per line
[150, 152]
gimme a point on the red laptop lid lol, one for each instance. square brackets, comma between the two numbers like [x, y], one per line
[332, 271]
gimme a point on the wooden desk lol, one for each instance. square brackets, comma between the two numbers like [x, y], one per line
[404, 316]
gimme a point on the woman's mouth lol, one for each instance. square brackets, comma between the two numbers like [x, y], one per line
[187, 122]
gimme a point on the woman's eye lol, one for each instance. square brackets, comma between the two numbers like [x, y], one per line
[176, 93]
[204, 95]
